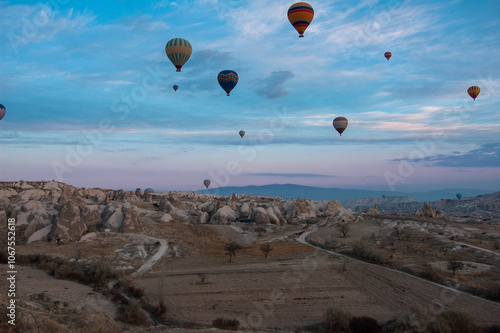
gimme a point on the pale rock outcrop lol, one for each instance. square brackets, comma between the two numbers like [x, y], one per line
[233, 201]
[204, 217]
[112, 217]
[279, 215]
[302, 209]
[26, 186]
[245, 210]
[418, 213]
[40, 235]
[273, 219]
[88, 237]
[429, 211]
[259, 216]
[91, 215]
[69, 224]
[31, 194]
[335, 208]
[7, 193]
[130, 221]
[223, 215]
[166, 218]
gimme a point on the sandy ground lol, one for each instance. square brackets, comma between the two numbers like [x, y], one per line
[32, 282]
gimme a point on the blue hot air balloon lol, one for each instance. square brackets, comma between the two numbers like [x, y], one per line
[227, 80]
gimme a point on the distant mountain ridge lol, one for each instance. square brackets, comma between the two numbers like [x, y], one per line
[288, 191]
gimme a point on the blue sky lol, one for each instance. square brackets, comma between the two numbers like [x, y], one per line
[88, 92]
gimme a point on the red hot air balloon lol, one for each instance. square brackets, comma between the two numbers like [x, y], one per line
[388, 55]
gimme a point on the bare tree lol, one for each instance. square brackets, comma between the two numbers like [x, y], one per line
[231, 249]
[266, 249]
[454, 265]
[344, 229]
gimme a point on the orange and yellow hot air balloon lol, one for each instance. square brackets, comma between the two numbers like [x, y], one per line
[178, 50]
[474, 91]
[388, 55]
[300, 15]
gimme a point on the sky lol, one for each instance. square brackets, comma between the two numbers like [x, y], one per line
[88, 91]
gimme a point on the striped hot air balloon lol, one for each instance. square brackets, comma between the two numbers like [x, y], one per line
[178, 50]
[227, 80]
[388, 55]
[2, 111]
[242, 133]
[473, 91]
[300, 15]
[340, 124]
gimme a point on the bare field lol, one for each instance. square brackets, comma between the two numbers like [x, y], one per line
[291, 288]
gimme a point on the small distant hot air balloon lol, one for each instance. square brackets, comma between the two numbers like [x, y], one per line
[340, 124]
[388, 55]
[242, 133]
[178, 50]
[175, 87]
[300, 15]
[474, 91]
[2, 111]
[227, 80]
[459, 196]
[207, 183]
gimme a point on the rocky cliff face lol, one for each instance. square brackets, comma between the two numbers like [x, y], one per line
[54, 210]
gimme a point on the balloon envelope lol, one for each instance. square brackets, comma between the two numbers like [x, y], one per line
[175, 87]
[473, 91]
[242, 133]
[459, 196]
[300, 15]
[207, 183]
[2, 111]
[388, 55]
[178, 50]
[227, 80]
[340, 124]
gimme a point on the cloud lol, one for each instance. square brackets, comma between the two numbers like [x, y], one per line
[289, 175]
[272, 85]
[487, 155]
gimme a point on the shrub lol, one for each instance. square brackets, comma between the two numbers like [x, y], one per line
[364, 325]
[136, 292]
[405, 323]
[337, 320]
[457, 322]
[226, 324]
[132, 313]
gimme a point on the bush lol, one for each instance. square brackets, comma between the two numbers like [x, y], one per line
[132, 313]
[493, 292]
[136, 292]
[456, 322]
[405, 323]
[364, 325]
[226, 324]
[337, 320]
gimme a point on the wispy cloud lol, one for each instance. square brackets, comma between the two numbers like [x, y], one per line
[289, 175]
[486, 155]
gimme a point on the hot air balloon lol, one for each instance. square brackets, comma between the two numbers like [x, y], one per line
[474, 91]
[227, 80]
[340, 124]
[459, 196]
[388, 55]
[300, 15]
[175, 87]
[2, 111]
[242, 133]
[178, 50]
[207, 183]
